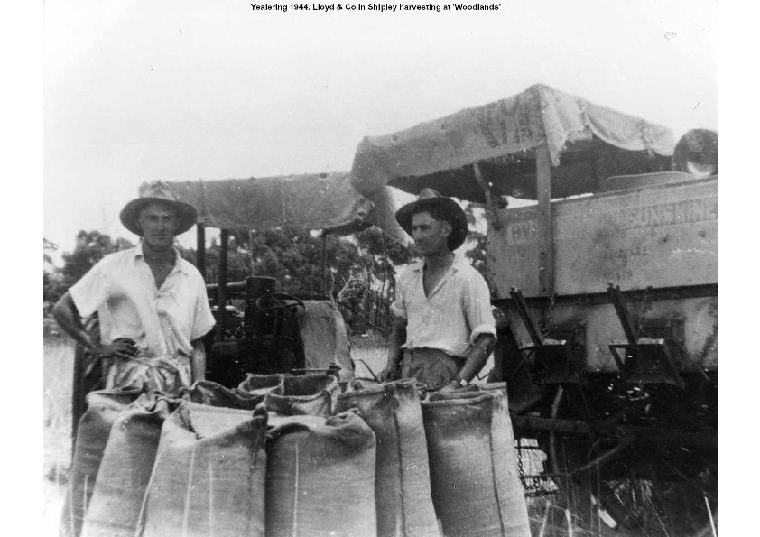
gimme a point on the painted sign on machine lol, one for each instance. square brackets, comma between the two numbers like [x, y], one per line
[662, 236]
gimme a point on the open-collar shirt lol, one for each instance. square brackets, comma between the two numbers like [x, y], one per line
[162, 321]
[452, 316]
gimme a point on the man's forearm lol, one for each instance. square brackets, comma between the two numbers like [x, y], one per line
[66, 315]
[198, 361]
[396, 340]
[477, 357]
[398, 336]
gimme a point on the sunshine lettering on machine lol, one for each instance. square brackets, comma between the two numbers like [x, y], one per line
[683, 212]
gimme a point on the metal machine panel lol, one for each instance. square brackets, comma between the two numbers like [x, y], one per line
[698, 316]
[659, 236]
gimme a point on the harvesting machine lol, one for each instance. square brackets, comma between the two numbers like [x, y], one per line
[602, 256]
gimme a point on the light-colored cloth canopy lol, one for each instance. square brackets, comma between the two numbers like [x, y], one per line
[515, 126]
[305, 201]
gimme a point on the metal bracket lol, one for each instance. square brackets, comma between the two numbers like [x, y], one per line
[645, 360]
[549, 360]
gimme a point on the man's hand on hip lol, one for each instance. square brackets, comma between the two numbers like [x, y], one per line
[119, 348]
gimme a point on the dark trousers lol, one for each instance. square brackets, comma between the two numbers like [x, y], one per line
[432, 367]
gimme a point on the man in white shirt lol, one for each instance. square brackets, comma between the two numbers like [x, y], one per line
[152, 305]
[443, 328]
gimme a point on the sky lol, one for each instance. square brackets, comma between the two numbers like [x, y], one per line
[187, 90]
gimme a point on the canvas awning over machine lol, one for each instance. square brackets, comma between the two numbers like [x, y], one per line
[539, 144]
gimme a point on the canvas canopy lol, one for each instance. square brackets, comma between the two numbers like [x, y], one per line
[306, 201]
[502, 137]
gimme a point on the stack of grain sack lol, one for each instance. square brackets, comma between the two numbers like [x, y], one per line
[296, 455]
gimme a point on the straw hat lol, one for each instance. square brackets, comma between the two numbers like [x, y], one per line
[157, 191]
[450, 209]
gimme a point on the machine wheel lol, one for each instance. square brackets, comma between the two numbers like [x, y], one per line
[566, 452]
[279, 303]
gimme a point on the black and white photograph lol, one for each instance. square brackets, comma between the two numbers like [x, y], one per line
[379, 269]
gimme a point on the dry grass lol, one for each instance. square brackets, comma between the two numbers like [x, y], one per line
[58, 359]
[369, 360]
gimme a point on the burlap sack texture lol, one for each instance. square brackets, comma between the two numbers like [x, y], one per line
[103, 408]
[313, 454]
[473, 466]
[402, 476]
[209, 474]
[313, 395]
[256, 387]
[126, 468]
[320, 478]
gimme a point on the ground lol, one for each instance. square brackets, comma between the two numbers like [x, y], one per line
[58, 361]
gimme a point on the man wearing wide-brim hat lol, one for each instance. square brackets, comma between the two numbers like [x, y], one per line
[443, 328]
[152, 305]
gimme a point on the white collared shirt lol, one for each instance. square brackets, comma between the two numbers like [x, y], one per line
[121, 288]
[455, 313]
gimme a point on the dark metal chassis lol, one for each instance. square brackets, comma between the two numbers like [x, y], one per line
[608, 418]
[596, 425]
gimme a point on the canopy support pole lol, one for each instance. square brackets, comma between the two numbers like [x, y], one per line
[200, 253]
[493, 216]
[221, 302]
[545, 235]
[323, 263]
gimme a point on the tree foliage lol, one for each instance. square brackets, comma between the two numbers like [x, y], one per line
[476, 241]
[357, 271]
[91, 247]
[52, 287]
[238, 262]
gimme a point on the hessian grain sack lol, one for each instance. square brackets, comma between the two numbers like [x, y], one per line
[103, 407]
[320, 477]
[402, 475]
[208, 478]
[473, 466]
[126, 468]
[308, 394]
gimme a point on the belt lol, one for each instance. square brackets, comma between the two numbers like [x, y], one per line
[425, 352]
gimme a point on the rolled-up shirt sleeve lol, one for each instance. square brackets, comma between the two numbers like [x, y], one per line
[90, 291]
[203, 321]
[477, 306]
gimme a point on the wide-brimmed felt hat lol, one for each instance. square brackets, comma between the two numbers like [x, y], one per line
[157, 191]
[451, 210]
